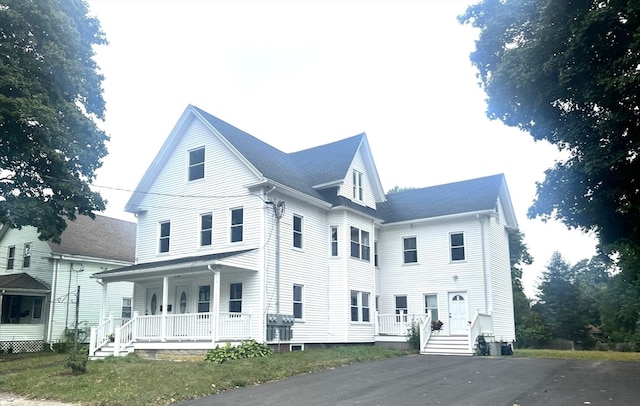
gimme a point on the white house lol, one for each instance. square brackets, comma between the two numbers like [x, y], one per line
[238, 240]
[39, 280]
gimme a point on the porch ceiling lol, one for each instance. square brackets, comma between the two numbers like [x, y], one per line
[173, 267]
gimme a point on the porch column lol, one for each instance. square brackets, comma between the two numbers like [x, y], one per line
[103, 312]
[165, 299]
[215, 308]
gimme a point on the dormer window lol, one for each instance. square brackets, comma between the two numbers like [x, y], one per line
[357, 186]
[196, 164]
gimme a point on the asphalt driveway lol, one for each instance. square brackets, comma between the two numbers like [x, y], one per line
[444, 380]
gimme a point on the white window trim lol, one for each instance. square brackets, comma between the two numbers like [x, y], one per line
[26, 253]
[11, 258]
[416, 250]
[424, 301]
[231, 225]
[336, 241]
[358, 186]
[360, 244]
[360, 306]
[189, 165]
[201, 230]
[122, 306]
[464, 247]
[301, 232]
[301, 301]
[241, 300]
[160, 237]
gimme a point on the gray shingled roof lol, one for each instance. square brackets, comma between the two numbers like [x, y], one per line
[299, 170]
[21, 281]
[459, 197]
[104, 237]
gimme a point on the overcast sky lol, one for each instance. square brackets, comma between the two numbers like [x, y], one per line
[298, 74]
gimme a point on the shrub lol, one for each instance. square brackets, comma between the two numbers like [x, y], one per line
[413, 335]
[77, 361]
[248, 349]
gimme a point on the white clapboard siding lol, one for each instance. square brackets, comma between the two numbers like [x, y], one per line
[221, 190]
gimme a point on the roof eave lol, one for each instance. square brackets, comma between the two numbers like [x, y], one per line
[487, 212]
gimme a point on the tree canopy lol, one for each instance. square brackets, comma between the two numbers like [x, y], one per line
[568, 72]
[50, 99]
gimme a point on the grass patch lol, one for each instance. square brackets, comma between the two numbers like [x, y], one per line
[132, 381]
[581, 355]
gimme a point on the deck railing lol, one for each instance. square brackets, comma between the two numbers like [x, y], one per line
[174, 327]
[397, 324]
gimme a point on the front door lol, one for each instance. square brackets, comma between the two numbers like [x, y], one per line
[182, 300]
[458, 314]
[154, 302]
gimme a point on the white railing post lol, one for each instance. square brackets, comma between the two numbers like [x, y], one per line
[134, 325]
[110, 322]
[116, 342]
[376, 323]
[93, 341]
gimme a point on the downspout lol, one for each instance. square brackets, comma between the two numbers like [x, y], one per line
[52, 302]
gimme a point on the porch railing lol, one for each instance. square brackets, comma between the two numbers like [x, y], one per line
[481, 324]
[397, 324]
[175, 327]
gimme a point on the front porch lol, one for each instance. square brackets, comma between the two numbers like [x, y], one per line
[394, 329]
[168, 332]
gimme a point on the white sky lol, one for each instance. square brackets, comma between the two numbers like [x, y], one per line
[297, 74]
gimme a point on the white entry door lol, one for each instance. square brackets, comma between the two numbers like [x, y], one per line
[154, 301]
[182, 300]
[458, 313]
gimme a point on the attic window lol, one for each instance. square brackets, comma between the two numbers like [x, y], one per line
[196, 164]
[357, 185]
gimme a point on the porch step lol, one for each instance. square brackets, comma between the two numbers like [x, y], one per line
[447, 345]
[107, 351]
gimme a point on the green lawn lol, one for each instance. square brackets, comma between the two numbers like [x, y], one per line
[131, 381]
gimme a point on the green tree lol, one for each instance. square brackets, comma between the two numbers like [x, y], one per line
[567, 73]
[518, 256]
[50, 100]
[559, 301]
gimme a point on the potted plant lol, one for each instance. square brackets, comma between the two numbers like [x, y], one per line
[112, 337]
[436, 325]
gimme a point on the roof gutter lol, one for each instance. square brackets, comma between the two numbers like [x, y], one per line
[286, 190]
[441, 218]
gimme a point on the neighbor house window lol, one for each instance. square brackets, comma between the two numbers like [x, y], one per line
[431, 304]
[410, 250]
[297, 231]
[11, 257]
[237, 223]
[357, 185]
[457, 246]
[401, 309]
[196, 164]
[360, 306]
[235, 298]
[165, 233]
[334, 241]
[204, 298]
[206, 229]
[126, 307]
[26, 258]
[297, 301]
[360, 244]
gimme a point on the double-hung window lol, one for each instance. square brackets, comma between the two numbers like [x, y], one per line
[235, 297]
[196, 164]
[165, 234]
[457, 246]
[204, 298]
[11, 257]
[206, 229]
[334, 241]
[237, 224]
[410, 250]
[297, 231]
[431, 305]
[26, 258]
[360, 306]
[401, 309]
[297, 301]
[357, 186]
[360, 244]
[126, 308]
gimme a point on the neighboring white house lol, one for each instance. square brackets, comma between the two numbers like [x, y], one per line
[238, 240]
[39, 280]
